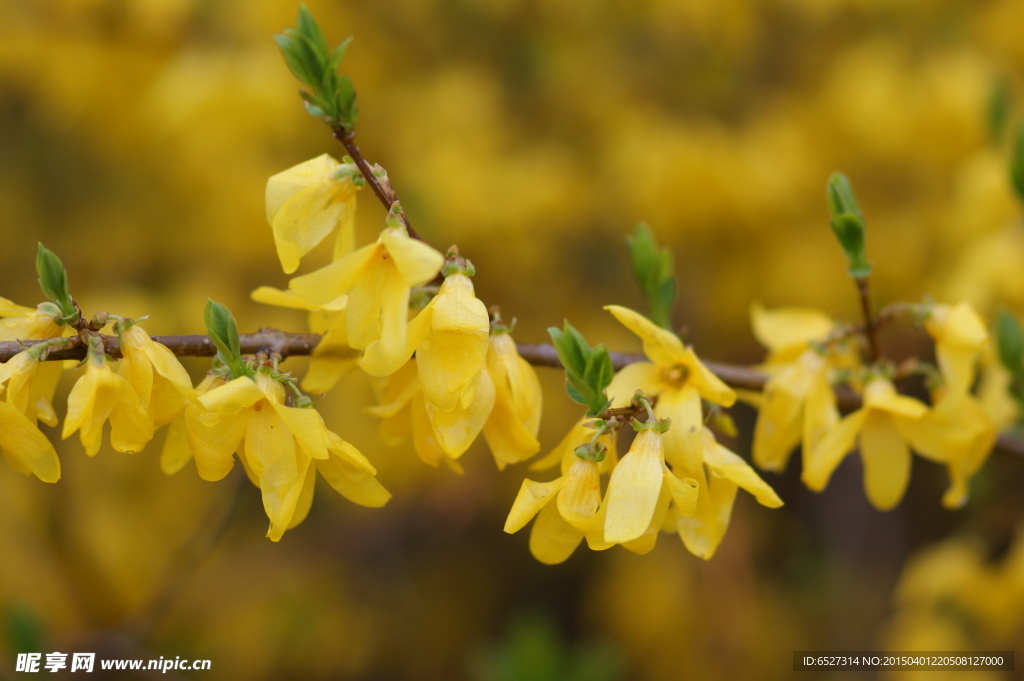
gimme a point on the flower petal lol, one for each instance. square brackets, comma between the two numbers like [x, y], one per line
[531, 498]
[634, 488]
[886, 461]
[821, 462]
[552, 540]
[327, 283]
[416, 261]
[788, 329]
[232, 397]
[21, 440]
[663, 347]
[726, 464]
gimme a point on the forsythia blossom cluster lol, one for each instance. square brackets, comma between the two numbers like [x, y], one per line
[443, 372]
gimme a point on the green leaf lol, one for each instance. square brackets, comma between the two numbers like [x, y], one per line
[653, 271]
[348, 111]
[1000, 105]
[1017, 162]
[223, 332]
[53, 280]
[1010, 339]
[848, 224]
[588, 371]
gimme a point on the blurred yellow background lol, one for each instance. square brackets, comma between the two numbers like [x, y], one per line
[138, 137]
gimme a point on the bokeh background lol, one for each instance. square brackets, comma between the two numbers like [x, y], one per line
[137, 137]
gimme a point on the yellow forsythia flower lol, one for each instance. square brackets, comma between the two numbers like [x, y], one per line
[99, 395]
[18, 322]
[281, 448]
[186, 431]
[511, 428]
[30, 384]
[306, 203]
[882, 427]
[26, 389]
[957, 431]
[155, 374]
[679, 381]
[797, 404]
[377, 278]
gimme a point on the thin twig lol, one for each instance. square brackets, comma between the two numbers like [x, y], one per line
[386, 194]
[870, 324]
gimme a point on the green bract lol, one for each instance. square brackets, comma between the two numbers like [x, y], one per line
[588, 371]
[847, 223]
[304, 48]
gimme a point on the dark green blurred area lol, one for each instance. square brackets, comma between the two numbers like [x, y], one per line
[138, 137]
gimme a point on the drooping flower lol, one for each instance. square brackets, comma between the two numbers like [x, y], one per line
[26, 391]
[99, 395]
[18, 322]
[956, 431]
[436, 435]
[680, 381]
[281, 448]
[30, 384]
[309, 201]
[797, 404]
[511, 428]
[882, 426]
[155, 374]
[378, 279]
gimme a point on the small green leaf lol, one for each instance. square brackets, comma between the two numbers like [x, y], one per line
[653, 271]
[847, 224]
[1000, 105]
[223, 332]
[1010, 338]
[1017, 162]
[53, 280]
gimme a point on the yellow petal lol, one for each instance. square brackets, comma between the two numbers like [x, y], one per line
[880, 394]
[269, 295]
[90, 403]
[710, 386]
[531, 498]
[328, 283]
[287, 183]
[663, 347]
[456, 429]
[821, 462]
[307, 427]
[581, 496]
[363, 313]
[684, 492]
[306, 219]
[214, 446]
[452, 354]
[348, 472]
[511, 428]
[417, 262]
[21, 440]
[779, 426]
[703, 531]
[788, 329]
[683, 440]
[176, 451]
[552, 539]
[726, 464]
[130, 426]
[886, 462]
[271, 453]
[305, 501]
[232, 397]
[634, 488]
[394, 314]
[424, 439]
[644, 376]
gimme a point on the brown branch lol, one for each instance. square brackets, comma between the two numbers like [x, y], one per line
[384, 193]
[272, 341]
